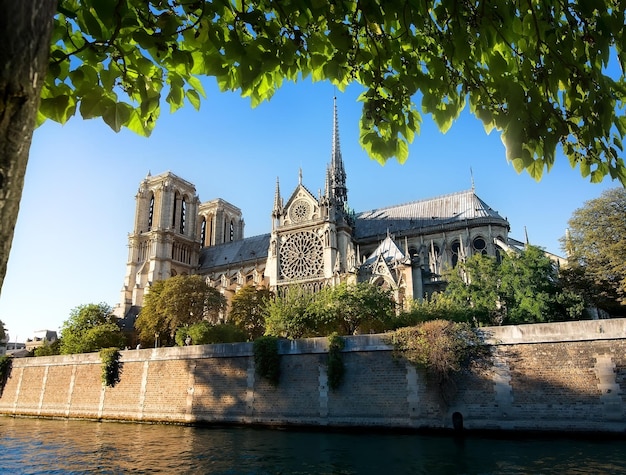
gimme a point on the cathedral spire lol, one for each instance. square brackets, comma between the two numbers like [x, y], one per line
[276, 211]
[327, 183]
[338, 173]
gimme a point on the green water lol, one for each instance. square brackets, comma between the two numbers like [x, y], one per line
[31, 446]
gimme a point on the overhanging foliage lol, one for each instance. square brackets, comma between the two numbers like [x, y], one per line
[546, 74]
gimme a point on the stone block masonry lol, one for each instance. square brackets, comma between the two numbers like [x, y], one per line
[544, 377]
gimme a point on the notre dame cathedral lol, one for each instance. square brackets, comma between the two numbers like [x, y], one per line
[315, 241]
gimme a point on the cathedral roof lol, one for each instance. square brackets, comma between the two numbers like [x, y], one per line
[442, 212]
[235, 252]
[388, 250]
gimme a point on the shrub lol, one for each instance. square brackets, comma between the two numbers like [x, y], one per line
[111, 366]
[48, 349]
[440, 347]
[204, 333]
[266, 358]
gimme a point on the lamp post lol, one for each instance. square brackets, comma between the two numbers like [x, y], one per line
[156, 340]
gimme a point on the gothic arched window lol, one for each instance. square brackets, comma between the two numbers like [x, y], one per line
[174, 210]
[183, 210]
[480, 245]
[203, 232]
[232, 230]
[498, 252]
[151, 211]
[455, 248]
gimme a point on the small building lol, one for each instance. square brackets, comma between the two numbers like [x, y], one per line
[40, 338]
[17, 350]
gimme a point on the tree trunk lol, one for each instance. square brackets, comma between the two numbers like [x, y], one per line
[25, 28]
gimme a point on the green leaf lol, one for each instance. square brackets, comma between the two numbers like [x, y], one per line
[59, 108]
[93, 27]
[402, 151]
[535, 169]
[93, 105]
[104, 10]
[117, 115]
[175, 97]
[197, 85]
[139, 125]
[518, 164]
[194, 98]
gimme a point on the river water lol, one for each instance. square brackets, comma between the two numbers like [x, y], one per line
[33, 446]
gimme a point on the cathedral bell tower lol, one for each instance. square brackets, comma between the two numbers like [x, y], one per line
[165, 240]
[311, 240]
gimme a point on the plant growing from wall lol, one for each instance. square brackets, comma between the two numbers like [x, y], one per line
[111, 366]
[5, 371]
[266, 358]
[440, 347]
[336, 368]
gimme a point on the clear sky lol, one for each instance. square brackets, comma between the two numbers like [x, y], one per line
[70, 244]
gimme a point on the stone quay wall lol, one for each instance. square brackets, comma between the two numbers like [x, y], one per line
[543, 377]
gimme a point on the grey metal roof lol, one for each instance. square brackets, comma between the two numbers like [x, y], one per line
[236, 252]
[446, 211]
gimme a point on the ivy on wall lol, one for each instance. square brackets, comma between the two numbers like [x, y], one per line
[267, 359]
[111, 366]
[335, 366]
[5, 371]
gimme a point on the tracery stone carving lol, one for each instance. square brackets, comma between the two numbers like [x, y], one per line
[301, 256]
[300, 211]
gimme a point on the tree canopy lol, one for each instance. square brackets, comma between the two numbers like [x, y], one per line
[90, 328]
[176, 302]
[524, 288]
[344, 309]
[545, 74]
[596, 249]
[247, 310]
[359, 308]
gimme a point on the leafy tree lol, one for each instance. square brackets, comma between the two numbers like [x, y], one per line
[539, 73]
[475, 283]
[529, 286]
[176, 302]
[151, 320]
[360, 308]
[596, 249]
[345, 309]
[204, 333]
[292, 314]
[247, 310]
[3, 334]
[90, 328]
[525, 288]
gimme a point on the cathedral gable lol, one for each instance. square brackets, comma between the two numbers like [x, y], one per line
[301, 207]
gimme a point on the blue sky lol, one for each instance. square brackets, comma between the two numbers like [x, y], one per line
[70, 245]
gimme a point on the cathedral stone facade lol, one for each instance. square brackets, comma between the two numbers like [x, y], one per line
[315, 241]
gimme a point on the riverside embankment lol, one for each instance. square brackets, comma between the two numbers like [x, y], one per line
[545, 377]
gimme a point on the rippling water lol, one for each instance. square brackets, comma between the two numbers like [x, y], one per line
[32, 446]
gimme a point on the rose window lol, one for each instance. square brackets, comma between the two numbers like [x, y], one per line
[299, 211]
[301, 256]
